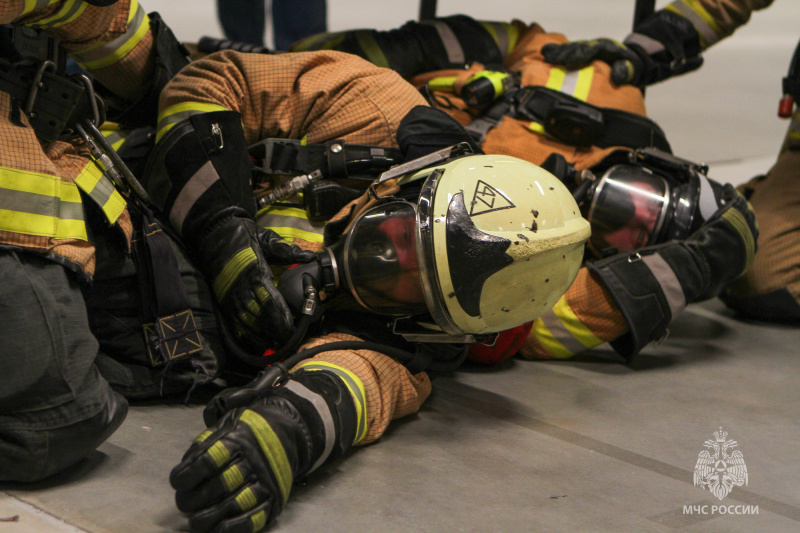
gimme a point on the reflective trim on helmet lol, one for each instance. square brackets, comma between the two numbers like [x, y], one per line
[431, 287]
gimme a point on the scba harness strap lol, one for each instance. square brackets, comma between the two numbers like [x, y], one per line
[571, 121]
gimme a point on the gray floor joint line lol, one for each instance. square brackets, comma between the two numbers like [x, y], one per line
[470, 398]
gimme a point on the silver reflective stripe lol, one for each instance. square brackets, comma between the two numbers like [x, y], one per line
[39, 204]
[570, 82]
[706, 31]
[354, 389]
[175, 118]
[102, 191]
[324, 412]
[451, 45]
[64, 17]
[670, 285]
[560, 332]
[202, 180]
[650, 45]
[111, 47]
[708, 203]
[40, 4]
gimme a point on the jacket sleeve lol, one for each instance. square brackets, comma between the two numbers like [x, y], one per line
[584, 318]
[315, 96]
[113, 43]
[716, 19]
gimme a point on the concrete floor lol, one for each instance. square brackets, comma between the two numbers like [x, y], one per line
[588, 444]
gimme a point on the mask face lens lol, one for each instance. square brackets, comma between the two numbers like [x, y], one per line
[381, 260]
[628, 209]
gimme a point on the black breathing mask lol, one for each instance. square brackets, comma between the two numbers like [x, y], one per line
[639, 198]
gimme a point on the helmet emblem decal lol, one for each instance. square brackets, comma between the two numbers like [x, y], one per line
[486, 199]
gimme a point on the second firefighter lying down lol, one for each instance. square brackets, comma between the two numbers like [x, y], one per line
[459, 244]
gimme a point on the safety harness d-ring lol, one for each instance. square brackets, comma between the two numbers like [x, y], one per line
[37, 84]
[87, 83]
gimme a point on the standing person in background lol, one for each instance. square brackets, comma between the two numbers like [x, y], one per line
[245, 20]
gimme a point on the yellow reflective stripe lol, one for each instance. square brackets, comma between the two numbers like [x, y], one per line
[709, 31]
[584, 83]
[40, 204]
[33, 5]
[272, 449]
[536, 127]
[548, 341]
[556, 78]
[231, 271]
[736, 219]
[574, 325]
[295, 233]
[258, 520]
[179, 112]
[204, 435]
[93, 182]
[322, 41]
[219, 453]
[505, 35]
[354, 385]
[442, 83]
[366, 40]
[290, 223]
[108, 53]
[113, 134]
[68, 12]
[246, 499]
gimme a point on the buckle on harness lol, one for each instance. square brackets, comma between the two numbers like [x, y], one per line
[574, 123]
[279, 156]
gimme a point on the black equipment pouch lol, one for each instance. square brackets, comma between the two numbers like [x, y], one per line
[577, 123]
[170, 330]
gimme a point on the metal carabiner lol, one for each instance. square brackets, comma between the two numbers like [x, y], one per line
[37, 84]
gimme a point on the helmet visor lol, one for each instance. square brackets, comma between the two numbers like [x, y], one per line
[381, 260]
[628, 208]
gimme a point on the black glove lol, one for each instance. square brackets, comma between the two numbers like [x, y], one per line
[238, 474]
[653, 285]
[665, 44]
[235, 256]
[425, 129]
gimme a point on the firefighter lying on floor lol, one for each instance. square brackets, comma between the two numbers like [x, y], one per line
[422, 253]
[515, 103]
[422, 270]
[670, 42]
